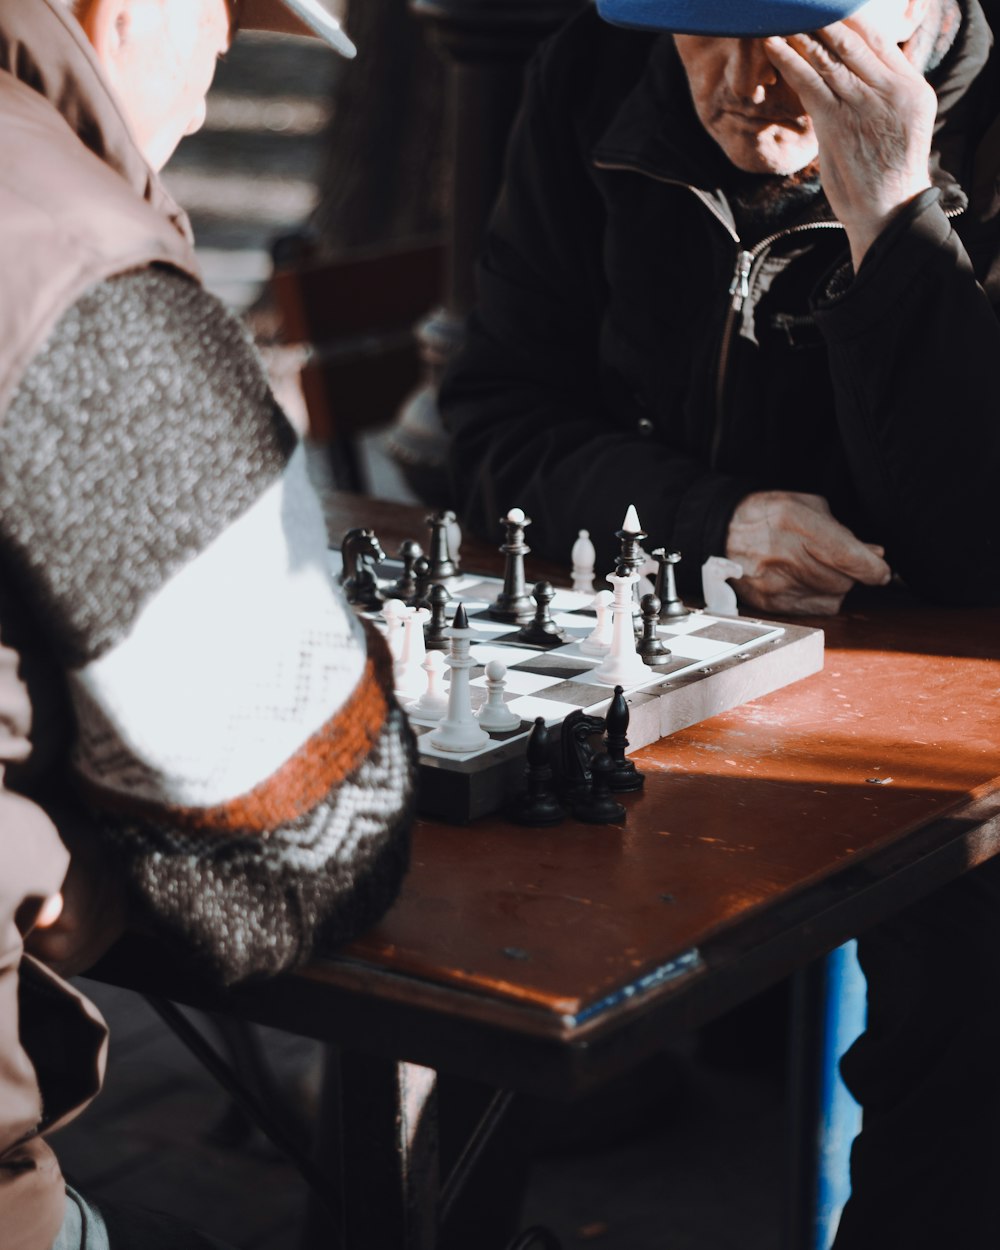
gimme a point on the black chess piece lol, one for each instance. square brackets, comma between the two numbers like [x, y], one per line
[362, 553]
[626, 776]
[422, 577]
[435, 638]
[671, 607]
[541, 630]
[652, 648]
[576, 754]
[598, 807]
[513, 603]
[405, 588]
[538, 805]
[443, 570]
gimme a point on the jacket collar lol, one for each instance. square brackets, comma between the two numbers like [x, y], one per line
[683, 152]
[43, 47]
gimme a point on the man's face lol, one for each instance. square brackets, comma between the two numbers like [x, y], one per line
[754, 116]
[160, 57]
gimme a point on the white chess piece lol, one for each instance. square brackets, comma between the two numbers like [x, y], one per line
[394, 612]
[433, 703]
[720, 598]
[495, 714]
[454, 532]
[631, 523]
[459, 731]
[623, 665]
[598, 641]
[584, 559]
[410, 678]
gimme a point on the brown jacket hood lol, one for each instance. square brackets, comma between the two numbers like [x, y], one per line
[77, 199]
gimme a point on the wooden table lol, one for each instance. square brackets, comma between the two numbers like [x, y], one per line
[549, 960]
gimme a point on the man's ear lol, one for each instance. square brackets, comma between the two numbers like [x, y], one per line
[105, 23]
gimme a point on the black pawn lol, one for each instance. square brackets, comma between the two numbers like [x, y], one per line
[422, 576]
[435, 638]
[599, 808]
[541, 630]
[538, 805]
[443, 568]
[625, 776]
[671, 607]
[406, 587]
[652, 649]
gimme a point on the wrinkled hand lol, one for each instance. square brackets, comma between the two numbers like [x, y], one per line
[796, 557]
[74, 928]
[873, 114]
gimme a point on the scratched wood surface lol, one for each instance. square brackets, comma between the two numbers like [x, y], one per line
[901, 727]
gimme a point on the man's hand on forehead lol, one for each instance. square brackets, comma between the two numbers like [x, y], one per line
[873, 114]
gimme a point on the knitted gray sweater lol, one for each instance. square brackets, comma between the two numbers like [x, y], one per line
[233, 728]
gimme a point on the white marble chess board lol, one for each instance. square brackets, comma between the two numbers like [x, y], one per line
[715, 663]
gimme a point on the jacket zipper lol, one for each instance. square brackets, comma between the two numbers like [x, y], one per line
[742, 281]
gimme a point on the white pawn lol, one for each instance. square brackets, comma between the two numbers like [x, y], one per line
[454, 532]
[394, 611]
[584, 558]
[598, 641]
[433, 703]
[410, 679]
[720, 598]
[495, 714]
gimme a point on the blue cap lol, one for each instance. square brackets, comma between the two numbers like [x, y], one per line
[738, 18]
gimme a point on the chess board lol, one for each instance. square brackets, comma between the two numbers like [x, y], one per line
[715, 663]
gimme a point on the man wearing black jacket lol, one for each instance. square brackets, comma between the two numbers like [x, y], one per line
[748, 284]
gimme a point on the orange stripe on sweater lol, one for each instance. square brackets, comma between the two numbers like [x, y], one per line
[330, 755]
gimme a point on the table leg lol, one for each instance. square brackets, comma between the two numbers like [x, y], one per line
[389, 1153]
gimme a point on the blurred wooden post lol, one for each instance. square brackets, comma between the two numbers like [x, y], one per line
[485, 44]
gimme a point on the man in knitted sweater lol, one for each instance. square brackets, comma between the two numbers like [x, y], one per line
[184, 695]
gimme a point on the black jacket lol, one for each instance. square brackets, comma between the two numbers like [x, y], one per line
[628, 348]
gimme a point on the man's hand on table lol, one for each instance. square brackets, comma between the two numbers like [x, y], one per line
[873, 114]
[74, 928]
[796, 557]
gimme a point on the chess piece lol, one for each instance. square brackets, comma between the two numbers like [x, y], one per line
[394, 613]
[422, 577]
[362, 552]
[495, 714]
[538, 805]
[576, 753]
[406, 587]
[625, 776]
[443, 569]
[433, 703]
[598, 641]
[436, 631]
[671, 607]
[630, 536]
[720, 598]
[541, 630]
[597, 807]
[459, 731]
[410, 677]
[513, 603]
[622, 665]
[651, 648]
[584, 559]
[454, 532]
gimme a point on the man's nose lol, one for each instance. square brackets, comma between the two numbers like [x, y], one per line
[748, 71]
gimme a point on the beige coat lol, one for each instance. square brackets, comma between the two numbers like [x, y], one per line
[78, 204]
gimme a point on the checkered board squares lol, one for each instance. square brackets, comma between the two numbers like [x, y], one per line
[715, 663]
